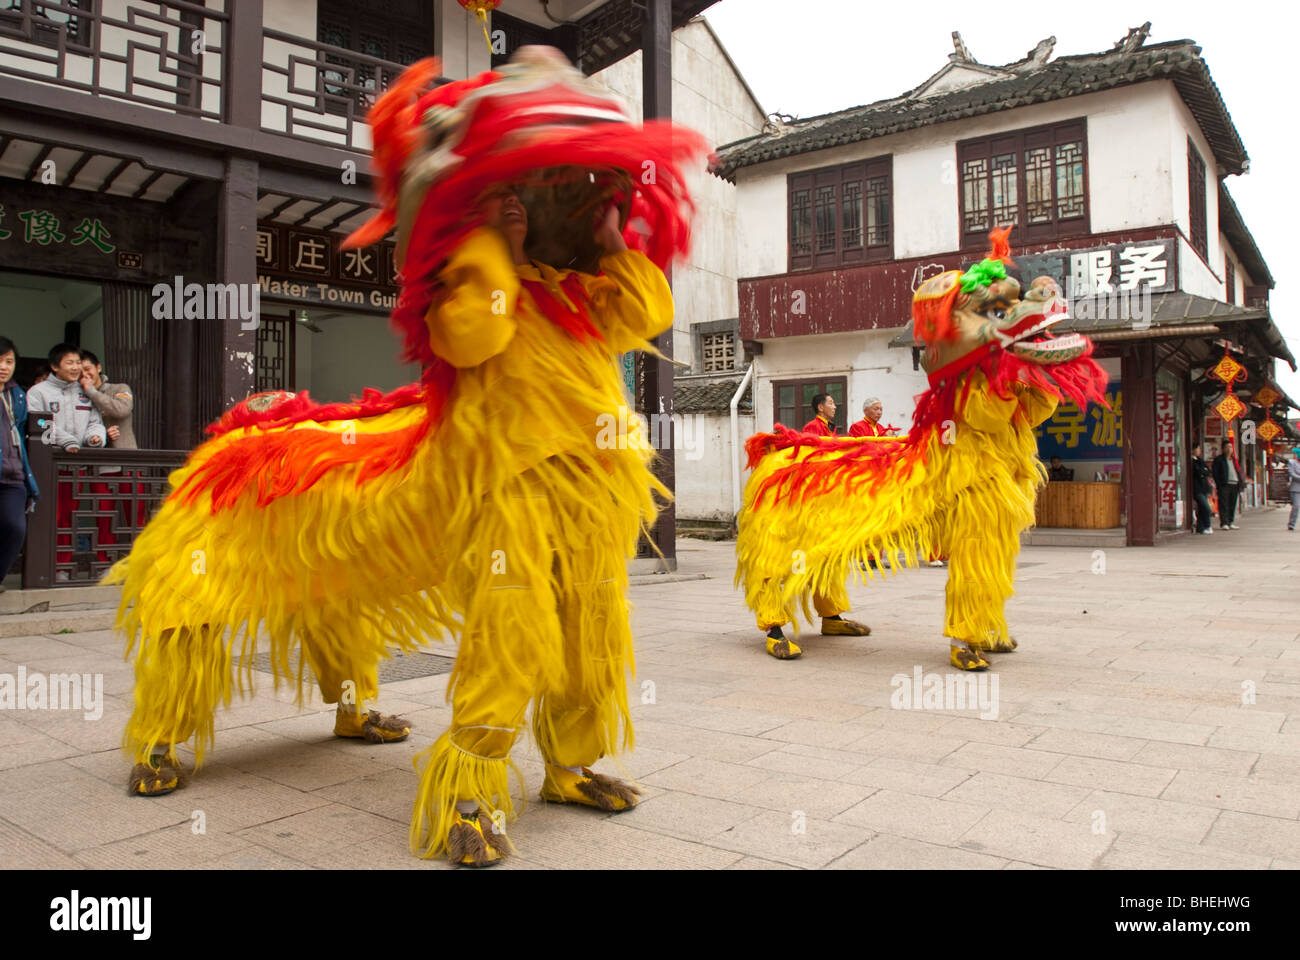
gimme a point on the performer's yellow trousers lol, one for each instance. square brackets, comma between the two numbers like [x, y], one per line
[546, 623]
[826, 605]
[182, 678]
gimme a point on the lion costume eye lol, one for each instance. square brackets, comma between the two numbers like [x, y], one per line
[997, 313]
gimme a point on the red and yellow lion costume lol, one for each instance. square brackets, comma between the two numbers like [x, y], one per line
[961, 484]
[478, 501]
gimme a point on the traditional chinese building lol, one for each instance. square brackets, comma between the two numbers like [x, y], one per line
[1112, 169]
[161, 160]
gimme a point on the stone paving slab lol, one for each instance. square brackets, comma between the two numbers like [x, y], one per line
[1160, 728]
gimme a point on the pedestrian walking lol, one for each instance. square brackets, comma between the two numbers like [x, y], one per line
[1202, 487]
[1293, 471]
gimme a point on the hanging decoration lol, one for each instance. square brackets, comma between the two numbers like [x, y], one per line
[481, 9]
[1229, 371]
[1268, 431]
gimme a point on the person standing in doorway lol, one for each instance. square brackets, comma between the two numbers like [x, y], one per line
[74, 422]
[114, 402]
[1202, 487]
[18, 492]
[823, 425]
[1227, 478]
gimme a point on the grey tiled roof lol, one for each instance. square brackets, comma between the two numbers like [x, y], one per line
[1177, 60]
[710, 397]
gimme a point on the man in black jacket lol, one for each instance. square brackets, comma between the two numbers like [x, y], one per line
[1227, 477]
[1202, 486]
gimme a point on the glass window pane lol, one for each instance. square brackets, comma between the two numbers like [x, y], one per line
[1069, 180]
[975, 194]
[1038, 184]
[800, 223]
[878, 211]
[825, 216]
[851, 219]
[1006, 206]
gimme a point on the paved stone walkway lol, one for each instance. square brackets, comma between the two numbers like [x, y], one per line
[1121, 738]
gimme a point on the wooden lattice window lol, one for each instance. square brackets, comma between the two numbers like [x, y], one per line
[718, 352]
[1035, 180]
[1229, 280]
[399, 31]
[842, 215]
[1196, 198]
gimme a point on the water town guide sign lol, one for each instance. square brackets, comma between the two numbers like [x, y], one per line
[310, 267]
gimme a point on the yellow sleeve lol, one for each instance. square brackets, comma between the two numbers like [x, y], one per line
[631, 302]
[475, 319]
[986, 411]
[1037, 405]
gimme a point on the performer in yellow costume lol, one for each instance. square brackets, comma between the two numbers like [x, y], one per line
[961, 484]
[489, 499]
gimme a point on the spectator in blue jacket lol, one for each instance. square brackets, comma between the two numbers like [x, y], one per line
[18, 490]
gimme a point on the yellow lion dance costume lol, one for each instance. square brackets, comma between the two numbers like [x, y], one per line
[961, 484]
[480, 500]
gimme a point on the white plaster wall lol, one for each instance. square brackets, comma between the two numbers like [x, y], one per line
[704, 483]
[1129, 170]
[871, 366]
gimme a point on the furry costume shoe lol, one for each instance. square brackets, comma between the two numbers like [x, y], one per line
[162, 774]
[469, 844]
[783, 648]
[590, 789]
[373, 726]
[964, 657]
[839, 627]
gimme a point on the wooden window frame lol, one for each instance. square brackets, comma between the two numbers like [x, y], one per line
[1229, 280]
[834, 182]
[1017, 143]
[1197, 217]
[802, 412]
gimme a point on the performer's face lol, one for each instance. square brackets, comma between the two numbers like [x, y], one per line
[503, 209]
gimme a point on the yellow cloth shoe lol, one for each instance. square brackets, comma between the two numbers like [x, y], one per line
[966, 658]
[591, 789]
[1005, 645]
[469, 844]
[162, 774]
[783, 648]
[373, 726]
[844, 628]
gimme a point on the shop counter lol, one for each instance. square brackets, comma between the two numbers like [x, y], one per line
[1088, 506]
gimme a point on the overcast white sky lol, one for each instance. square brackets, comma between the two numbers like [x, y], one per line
[808, 57]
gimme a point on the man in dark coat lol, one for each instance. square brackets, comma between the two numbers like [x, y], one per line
[1227, 477]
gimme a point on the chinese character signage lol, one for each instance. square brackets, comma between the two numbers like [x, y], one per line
[310, 266]
[1169, 451]
[1093, 434]
[1149, 266]
[74, 233]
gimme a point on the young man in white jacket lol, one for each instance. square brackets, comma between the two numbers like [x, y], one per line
[73, 422]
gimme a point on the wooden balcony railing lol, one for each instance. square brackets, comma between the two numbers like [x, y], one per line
[93, 505]
[182, 57]
[166, 55]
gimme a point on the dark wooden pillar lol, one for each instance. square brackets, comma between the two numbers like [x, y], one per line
[1141, 481]
[657, 396]
[237, 206]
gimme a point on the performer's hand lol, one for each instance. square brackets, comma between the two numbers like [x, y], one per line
[606, 231]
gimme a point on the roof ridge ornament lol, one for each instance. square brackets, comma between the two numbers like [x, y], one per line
[1133, 39]
[960, 52]
[1043, 50]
